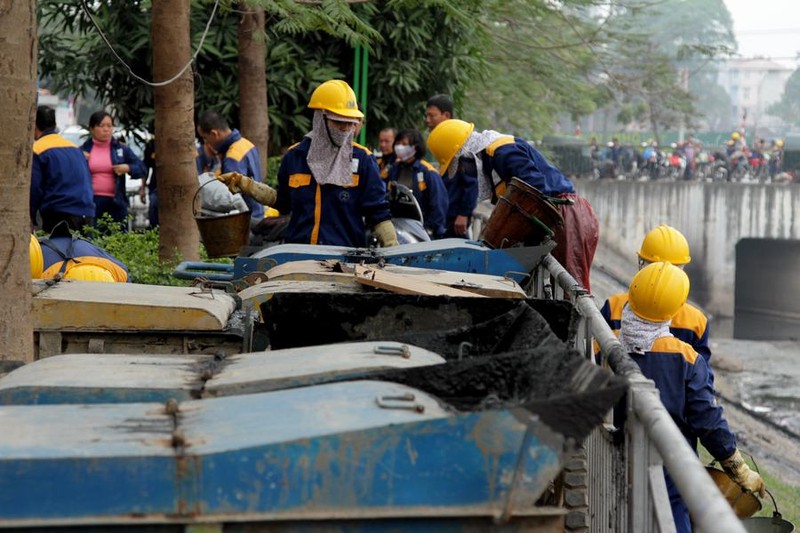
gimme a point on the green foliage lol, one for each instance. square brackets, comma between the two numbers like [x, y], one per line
[541, 56]
[788, 107]
[306, 45]
[273, 164]
[137, 250]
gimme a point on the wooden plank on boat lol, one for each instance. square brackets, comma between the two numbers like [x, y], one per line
[401, 284]
[334, 271]
[483, 284]
[85, 305]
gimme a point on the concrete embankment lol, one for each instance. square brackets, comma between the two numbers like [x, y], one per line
[713, 216]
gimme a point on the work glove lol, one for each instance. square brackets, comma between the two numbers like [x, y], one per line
[741, 474]
[238, 183]
[385, 233]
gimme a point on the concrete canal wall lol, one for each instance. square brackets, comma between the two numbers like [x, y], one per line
[713, 216]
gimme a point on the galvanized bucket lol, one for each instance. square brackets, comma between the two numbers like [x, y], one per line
[744, 504]
[765, 524]
[523, 215]
[224, 235]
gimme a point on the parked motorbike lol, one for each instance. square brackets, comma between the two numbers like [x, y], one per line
[406, 216]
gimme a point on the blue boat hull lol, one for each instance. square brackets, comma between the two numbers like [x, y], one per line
[324, 452]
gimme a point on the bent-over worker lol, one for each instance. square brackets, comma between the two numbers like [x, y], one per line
[500, 157]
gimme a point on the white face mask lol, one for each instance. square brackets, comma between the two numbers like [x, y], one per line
[404, 152]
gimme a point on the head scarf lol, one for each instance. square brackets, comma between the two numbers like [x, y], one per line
[331, 153]
[474, 145]
[637, 335]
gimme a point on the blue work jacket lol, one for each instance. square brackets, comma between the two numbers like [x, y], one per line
[60, 178]
[240, 155]
[685, 384]
[462, 190]
[511, 157]
[330, 214]
[429, 191]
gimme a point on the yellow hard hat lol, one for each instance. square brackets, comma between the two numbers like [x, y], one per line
[779, 143]
[658, 291]
[37, 260]
[665, 243]
[337, 97]
[446, 140]
[735, 136]
[86, 272]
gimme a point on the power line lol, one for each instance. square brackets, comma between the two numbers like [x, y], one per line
[130, 70]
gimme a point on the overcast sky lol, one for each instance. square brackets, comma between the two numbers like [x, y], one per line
[769, 28]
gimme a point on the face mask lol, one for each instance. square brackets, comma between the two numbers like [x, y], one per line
[404, 152]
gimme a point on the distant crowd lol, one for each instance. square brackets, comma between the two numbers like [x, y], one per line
[691, 160]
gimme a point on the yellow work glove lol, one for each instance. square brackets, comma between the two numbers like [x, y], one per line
[385, 233]
[741, 474]
[239, 183]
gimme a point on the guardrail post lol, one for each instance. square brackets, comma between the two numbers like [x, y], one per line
[649, 508]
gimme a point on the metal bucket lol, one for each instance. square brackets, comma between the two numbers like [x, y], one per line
[224, 235]
[743, 503]
[765, 524]
[523, 215]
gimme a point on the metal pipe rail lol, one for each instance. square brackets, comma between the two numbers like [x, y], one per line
[707, 506]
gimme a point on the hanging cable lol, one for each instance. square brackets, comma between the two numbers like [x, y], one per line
[130, 70]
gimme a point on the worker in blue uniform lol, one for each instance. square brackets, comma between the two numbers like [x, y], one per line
[236, 154]
[499, 158]
[462, 184]
[665, 243]
[61, 184]
[682, 377]
[411, 170]
[329, 184]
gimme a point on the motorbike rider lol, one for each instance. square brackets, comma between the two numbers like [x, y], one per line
[328, 183]
[776, 158]
[411, 170]
[684, 380]
[500, 157]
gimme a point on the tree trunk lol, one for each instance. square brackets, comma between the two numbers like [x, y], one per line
[253, 116]
[174, 131]
[17, 107]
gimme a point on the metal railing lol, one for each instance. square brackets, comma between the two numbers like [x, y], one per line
[651, 438]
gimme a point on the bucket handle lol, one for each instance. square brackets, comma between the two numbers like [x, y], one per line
[194, 198]
[560, 201]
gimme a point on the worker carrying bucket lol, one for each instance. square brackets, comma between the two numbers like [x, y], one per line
[542, 201]
[330, 185]
[682, 376]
